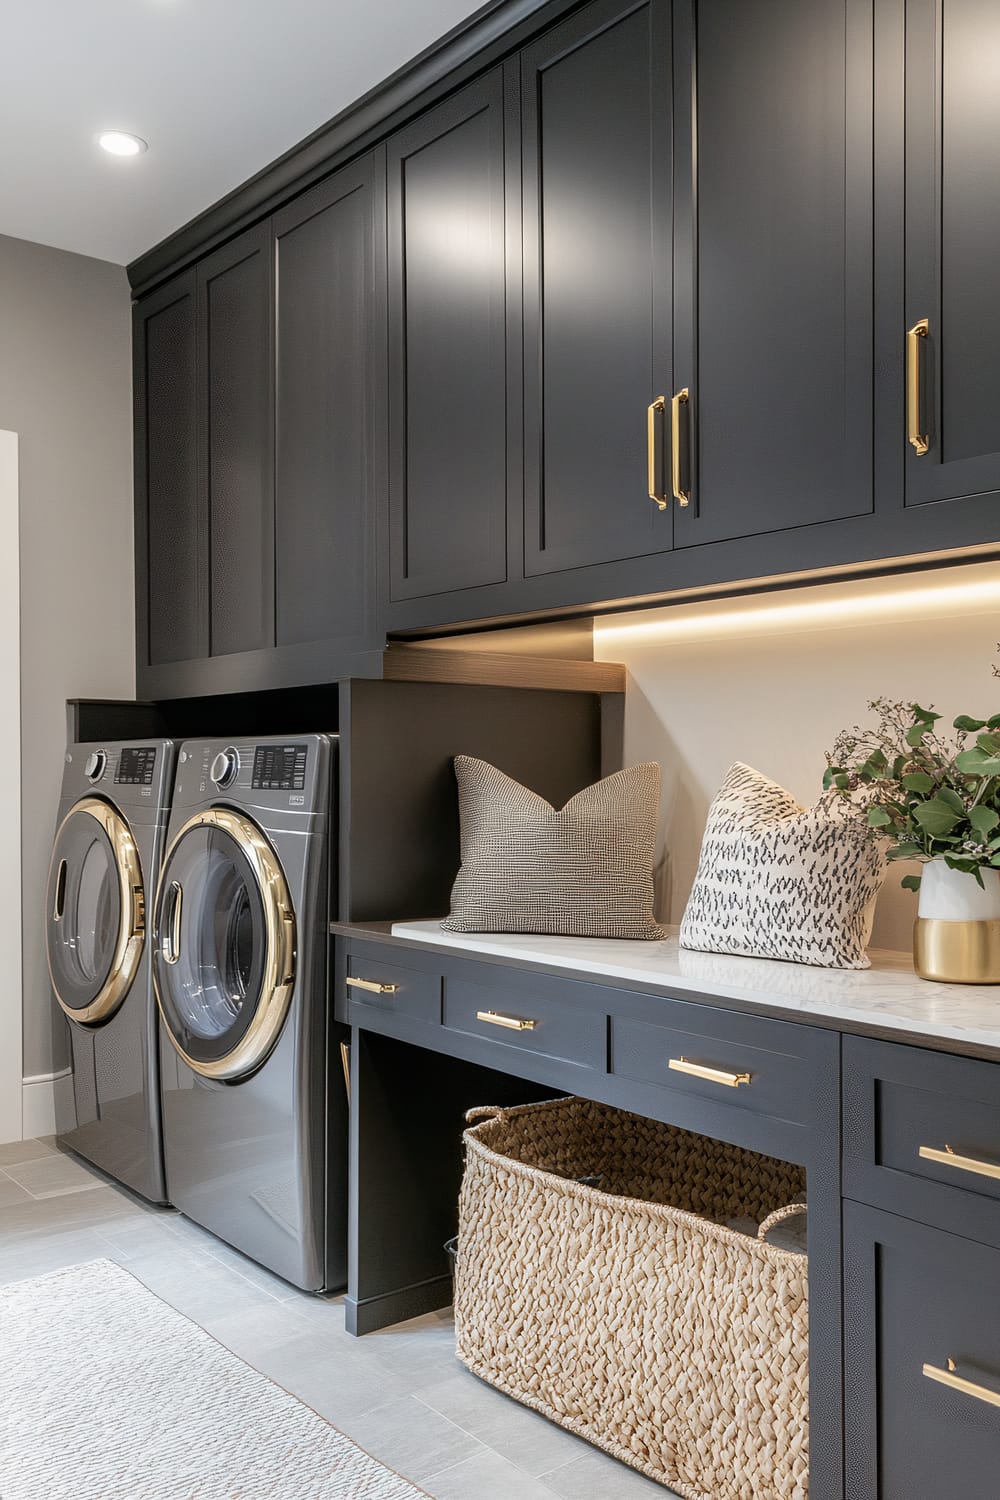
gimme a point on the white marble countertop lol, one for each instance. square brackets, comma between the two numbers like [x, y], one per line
[888, 996]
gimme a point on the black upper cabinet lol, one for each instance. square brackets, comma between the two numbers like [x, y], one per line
[774, 264]
[234, 333]
[330, 406]
[952, 260]
[448, 362]
[597, 284]
[170, 532]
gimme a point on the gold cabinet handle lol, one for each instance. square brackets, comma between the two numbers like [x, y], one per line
[682, 398]
[512, 1023]
[653, 410]
[955, 1382]
[711, 1075]
[949, 1158]
[345, 1063]
[919, 439]
[371, 984]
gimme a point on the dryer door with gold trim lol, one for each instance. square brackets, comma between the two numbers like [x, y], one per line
[95, 911]
[223, 945]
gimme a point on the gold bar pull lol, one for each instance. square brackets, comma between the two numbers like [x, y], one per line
[956, 1383]
[949, 1158]
[345, 1063]
[512, 1023]
[919, 439]
[682, 398]
[711, 1075]
[373, 985]
[652, 475]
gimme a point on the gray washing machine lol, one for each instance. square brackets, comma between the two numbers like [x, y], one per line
[254, 1105]
[108, 843]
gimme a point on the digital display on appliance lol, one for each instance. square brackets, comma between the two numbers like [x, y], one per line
[136, 765]
[279, 768]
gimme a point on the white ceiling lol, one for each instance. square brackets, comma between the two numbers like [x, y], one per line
[218, 88]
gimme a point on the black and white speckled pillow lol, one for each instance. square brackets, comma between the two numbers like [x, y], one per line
[776, 880]
[586, 871]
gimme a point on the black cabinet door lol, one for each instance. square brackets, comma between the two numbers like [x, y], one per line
[773, 264]
[597, 284]
[921, 1361]
[952, 258]
[447, 347]
[235, 353]
[330, 405]
[170, 531]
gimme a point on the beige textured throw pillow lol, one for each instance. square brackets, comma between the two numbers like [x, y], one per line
[586, 871]
[776, 880]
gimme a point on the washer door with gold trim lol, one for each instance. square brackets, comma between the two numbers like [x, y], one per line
[95, 911]
[223, 944]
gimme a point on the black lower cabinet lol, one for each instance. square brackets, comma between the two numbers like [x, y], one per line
[922, 1361]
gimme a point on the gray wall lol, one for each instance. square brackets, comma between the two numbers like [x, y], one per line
[65, 388]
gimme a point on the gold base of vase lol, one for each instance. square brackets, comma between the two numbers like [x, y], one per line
[957, 952]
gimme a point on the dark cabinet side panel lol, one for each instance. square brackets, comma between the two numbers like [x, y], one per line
[235, 326]
[597, 286]
[447, 341]
[330, 405]
[774, 259]
[171, 574]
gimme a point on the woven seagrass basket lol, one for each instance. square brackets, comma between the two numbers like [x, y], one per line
[621, 1305]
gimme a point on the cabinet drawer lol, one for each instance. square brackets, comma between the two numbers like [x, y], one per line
[407, 992]
[519, 1017]
[922, 1134]
[745, 1061]
[919, 1301]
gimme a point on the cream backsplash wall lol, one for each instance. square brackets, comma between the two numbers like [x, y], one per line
[771, 680]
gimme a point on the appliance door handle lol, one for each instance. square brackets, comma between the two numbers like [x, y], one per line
[916, 436]
[59, 900]
[682, 398]
[171, 946]
[654, 412]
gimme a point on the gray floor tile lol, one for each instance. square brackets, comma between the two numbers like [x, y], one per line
[10, 1192]
[340, 1383]
[51, 1176]
[15, 1151]
[36, 1255]
[411, 1438]
[529, 1441]
[596, 1476]
[488, 1476]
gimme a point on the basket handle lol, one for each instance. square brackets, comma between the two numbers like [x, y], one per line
[790, 1211]
[485, 1112]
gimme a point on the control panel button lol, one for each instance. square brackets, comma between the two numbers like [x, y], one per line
[225, 767]
[95, 764]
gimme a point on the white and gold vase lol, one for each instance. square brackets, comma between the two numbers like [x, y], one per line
[956, 938]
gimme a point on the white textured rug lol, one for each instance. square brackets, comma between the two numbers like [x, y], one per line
[106, 1393]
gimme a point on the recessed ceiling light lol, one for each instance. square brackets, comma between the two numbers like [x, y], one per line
[120, 143]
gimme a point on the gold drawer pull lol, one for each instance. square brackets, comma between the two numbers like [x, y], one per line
[653, 410]
[917, 437]
[373, 985]
[711, 1075]
[512, 1023]
[949, 1158]
[956, 1383]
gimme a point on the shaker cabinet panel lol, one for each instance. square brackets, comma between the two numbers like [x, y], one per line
[171, 565]
[597, 288]
[773, 264]
[952, 260]
[329, 407]
[447, 346]
[235, 349]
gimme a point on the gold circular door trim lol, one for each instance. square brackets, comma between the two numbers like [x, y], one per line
[132, 922]
[278, 978]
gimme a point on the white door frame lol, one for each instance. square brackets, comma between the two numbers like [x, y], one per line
[11, 1000]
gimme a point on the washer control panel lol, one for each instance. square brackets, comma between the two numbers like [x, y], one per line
[136, 764]
[279, 768]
